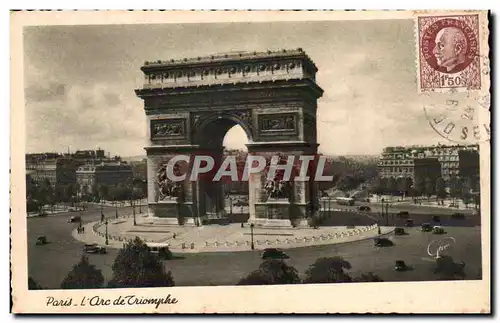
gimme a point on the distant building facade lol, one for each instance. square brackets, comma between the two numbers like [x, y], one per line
[61, 169]
[90, 176]
[58, 171]
[411, 161]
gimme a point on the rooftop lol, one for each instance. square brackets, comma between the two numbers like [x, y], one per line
[229, 56]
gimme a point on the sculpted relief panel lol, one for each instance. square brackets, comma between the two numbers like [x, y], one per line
[168, 128]
[168, 190]
[278, 123]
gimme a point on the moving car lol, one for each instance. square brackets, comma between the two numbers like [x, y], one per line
[364, 208]
[74, 219]
[41, 240]
[426, 227]
[383, 242]
[344, 201]
[273, 253]
[409, 223]
[399, 231]
[94, 248]
[438, 230]
[160, 249]
[400, 266]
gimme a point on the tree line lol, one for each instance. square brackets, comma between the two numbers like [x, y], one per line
[41, 193]
[458, 188]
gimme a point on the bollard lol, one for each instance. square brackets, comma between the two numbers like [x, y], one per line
[192, 245]
[206, 243]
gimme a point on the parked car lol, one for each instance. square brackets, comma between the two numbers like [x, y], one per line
[426, 227]
[436, 218]
[409, 223]
[74, 219]
[273, 253]
[364, 208]
[458, 216]
[438, 230]
[383, 242]
[160, 249]
[399, 231]
[400, 266]
[41, 240]
[403, 214]
[94, 248]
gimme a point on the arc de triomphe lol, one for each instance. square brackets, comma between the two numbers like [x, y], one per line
[190, 105]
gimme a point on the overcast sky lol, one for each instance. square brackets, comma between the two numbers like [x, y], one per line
[80, 81]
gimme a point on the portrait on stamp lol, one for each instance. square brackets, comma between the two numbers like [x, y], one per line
[449, 52]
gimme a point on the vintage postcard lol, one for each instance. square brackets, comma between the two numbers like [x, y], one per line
[250, 162]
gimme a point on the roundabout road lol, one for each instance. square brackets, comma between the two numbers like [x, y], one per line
[49, 264]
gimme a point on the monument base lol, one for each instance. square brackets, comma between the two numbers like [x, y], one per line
[280, 213]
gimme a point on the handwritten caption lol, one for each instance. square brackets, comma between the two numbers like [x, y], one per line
[96, 301]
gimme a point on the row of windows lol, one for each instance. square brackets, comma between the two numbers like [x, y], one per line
[397, 170]
[396, 162]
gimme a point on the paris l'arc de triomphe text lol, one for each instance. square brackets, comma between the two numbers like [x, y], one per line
[190, 105]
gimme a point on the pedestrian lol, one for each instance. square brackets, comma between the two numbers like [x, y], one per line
[174, 235]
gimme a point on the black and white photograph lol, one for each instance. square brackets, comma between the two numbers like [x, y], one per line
[342, 150]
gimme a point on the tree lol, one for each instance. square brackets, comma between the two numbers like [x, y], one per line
[403, 185]
[440, 189]
[32, 284]
[136, 266]
[367, 277]
[83, 276]
[328, 270]
[455, 188]
[272, 272]
[429, 187]
[380, 186]
[103, 192]
[466, 191]
[419, 186]
[392, 186]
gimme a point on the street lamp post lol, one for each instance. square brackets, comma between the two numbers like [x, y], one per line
[106, 223]
[140, 204]
[102, 212]
[251, 235]
[133, 211]
[387, 214]
[116, 210]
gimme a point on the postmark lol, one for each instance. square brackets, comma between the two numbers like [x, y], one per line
[449, 53]
[462, 118]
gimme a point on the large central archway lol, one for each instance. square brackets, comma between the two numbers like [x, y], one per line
[191, 104]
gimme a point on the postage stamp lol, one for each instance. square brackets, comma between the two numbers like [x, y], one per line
[449, 52]
[250, 162]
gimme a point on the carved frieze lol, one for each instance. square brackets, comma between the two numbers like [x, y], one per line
[168, 128]
[277, 123]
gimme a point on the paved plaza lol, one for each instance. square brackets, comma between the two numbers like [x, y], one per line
[223, 238]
